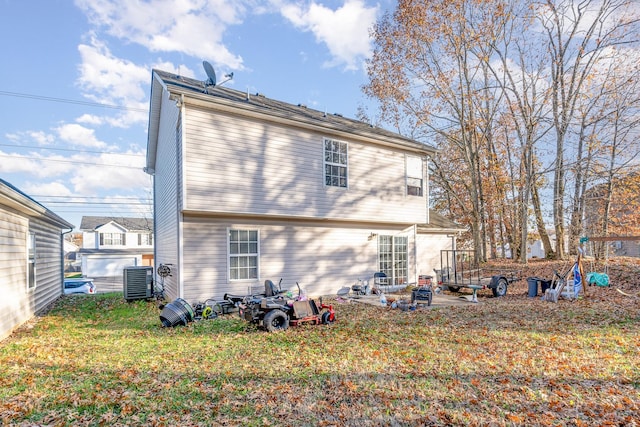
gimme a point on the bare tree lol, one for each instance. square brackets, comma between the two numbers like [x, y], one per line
[579, 35]
[521, 75]
[426, 66]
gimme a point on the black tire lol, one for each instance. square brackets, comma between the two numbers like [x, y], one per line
[276, 320]
[453, 288]
[326, 318]
[501, 288]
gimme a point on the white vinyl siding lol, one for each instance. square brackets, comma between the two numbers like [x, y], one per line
[322, 257]
[244, 166]
[166, 201]
[19, 303]
[16, 304]
[429, 254]
[49, 265]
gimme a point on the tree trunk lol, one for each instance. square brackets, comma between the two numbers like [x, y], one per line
[542, 229]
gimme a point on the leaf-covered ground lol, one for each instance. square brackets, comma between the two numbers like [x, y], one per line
[512, 361]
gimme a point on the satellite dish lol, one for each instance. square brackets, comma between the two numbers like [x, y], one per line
[210, 73]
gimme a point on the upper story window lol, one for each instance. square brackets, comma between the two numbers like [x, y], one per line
[112, 239]
[145, 239]
[415, 181]
[335, 163]
[243, 254]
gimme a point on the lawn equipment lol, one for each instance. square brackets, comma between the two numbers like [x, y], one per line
[276, 309]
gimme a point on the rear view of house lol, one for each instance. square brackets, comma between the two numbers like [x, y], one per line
[247, 188]
[31, 250]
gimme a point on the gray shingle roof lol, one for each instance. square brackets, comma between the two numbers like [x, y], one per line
[438, 222]
[259, 103]
[12, 192]
[131, 224]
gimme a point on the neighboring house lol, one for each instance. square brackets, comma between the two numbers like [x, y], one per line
[31, 250]
[535, 249]
[247, 188]
[109, 244]
[629, 248]
[71, 261]
[623, 218]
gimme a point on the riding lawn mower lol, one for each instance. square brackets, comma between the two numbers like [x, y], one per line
[276, 309]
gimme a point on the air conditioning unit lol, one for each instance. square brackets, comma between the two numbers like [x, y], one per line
[138, 283]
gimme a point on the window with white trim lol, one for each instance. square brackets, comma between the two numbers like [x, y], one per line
[335, 163]
[111, 239]
[31, 260]
[414, 176]
[243, 254]
[393, 256]
[145, 239]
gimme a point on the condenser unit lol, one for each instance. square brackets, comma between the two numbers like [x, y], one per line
[138, 283]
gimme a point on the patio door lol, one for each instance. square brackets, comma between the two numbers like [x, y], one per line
[393, 258]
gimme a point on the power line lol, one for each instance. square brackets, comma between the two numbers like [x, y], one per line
[71, 101]
[53, 202]
[85, 197]
[74, 162]
[68, 149]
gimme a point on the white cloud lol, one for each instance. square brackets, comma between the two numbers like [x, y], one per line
[41, 138]
[28, 137]
[117, 80]
[90, 119]
[345, 31]
[55, 188]
[14, 137]
[193, 27]
[78, 135]
[35, 165]
[91, 179]
[14, 163]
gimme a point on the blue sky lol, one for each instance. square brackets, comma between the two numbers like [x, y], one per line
[74, 84]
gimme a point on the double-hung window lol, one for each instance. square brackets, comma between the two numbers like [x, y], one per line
[112, 239]
[414, 176]
[145, 239]
[335, 163]
[243, 254]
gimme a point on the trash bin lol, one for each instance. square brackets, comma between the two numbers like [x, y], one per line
[544, 285]
[533, 286]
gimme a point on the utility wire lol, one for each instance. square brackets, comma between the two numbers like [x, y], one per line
[71, 101]
[68, 149]
[53, 202]
[74, 162]
[84, 197]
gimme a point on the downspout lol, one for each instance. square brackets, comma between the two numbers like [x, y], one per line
[182, 190]
[62, 258]
[427, 190]
[415, 253]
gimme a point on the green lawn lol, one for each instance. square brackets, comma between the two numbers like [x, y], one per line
[98, 360]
